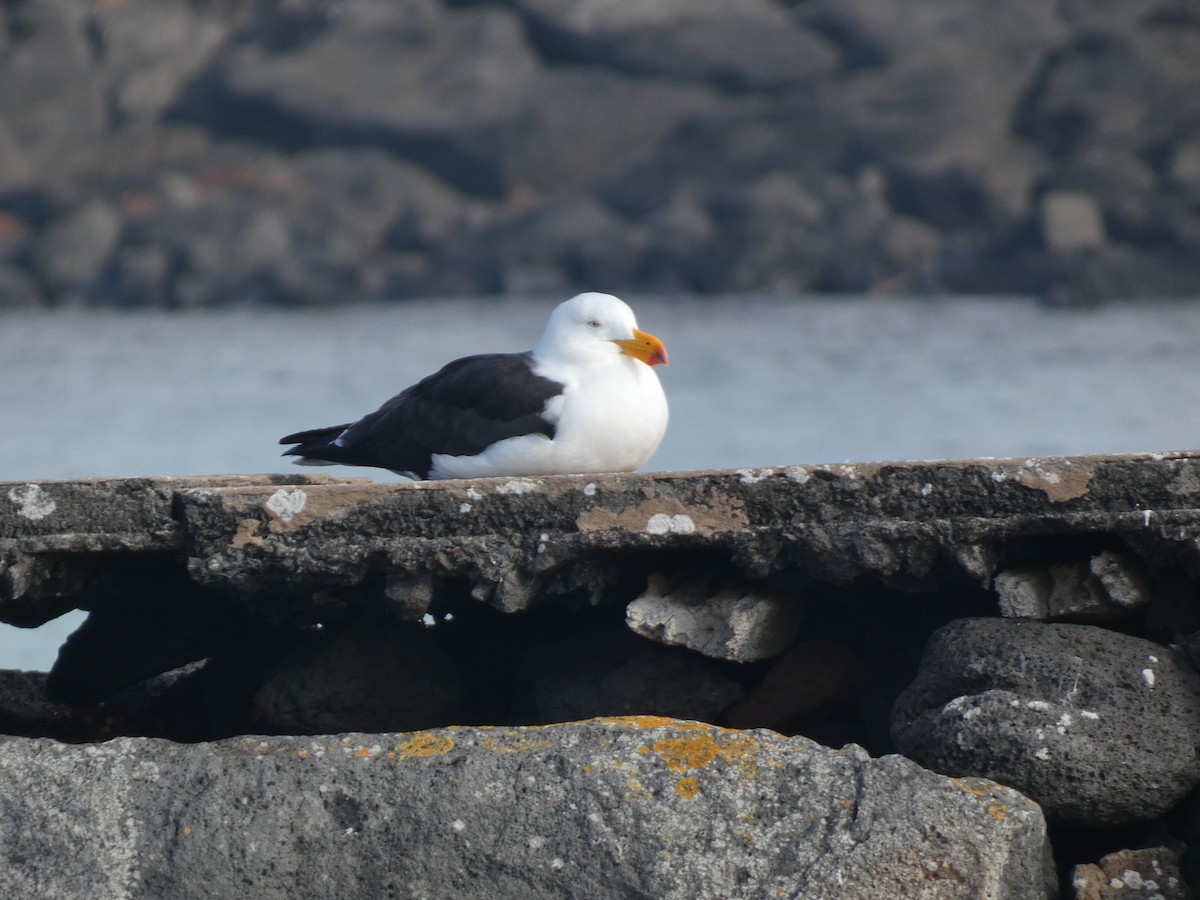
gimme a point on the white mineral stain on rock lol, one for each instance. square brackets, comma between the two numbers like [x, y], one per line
[661, 523]
[682, 525]
[753, 476]
[798, 474]
[458, 825]
[464, 507]
[926, 489]
[1042, 753]
[517, 486]
[960, 706]
[286, 504]
[953, 706]
[32, 501]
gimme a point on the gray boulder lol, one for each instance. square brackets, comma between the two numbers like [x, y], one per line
[418, 78]
[607, 808]
[377, 674]
[599, 671]
[76, 248]
[53, 107]
[1099, 727]
[752, 44]
[1152, 873]
[961, 161]
[148, 50]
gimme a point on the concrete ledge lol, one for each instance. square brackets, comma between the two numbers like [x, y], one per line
[525, 540]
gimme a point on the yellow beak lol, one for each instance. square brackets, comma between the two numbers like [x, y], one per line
[645, 347]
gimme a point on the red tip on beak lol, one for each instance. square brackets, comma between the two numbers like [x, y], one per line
[645, 347]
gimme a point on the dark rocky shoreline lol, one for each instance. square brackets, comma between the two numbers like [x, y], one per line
[184, 153]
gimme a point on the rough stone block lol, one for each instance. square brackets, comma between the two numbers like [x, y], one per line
[1122, 578]
[377, 674]
[733, 621]
[1110, 585]
[812, 675]
[1151, 873]
[609, 671]
[599, 809]
[1099, 727]
[755, 44]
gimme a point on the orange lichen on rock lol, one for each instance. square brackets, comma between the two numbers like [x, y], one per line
[427, 743]
[975, 786]
[682, 754]
[686, 753]
[515, 742]
[660, 722]
[742, 752]
[687, 788]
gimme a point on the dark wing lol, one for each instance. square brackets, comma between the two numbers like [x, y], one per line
[460, 410]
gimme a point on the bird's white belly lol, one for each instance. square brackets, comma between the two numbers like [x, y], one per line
[614, 425]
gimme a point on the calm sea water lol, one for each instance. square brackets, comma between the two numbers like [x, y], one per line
[752, 382]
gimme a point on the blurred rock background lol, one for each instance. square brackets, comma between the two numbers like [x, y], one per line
[185, 153]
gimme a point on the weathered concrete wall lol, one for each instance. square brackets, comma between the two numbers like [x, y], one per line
[1032, 622]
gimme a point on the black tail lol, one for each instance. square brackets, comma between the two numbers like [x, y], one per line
[312, 443]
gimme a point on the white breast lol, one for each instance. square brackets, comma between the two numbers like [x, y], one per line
[609, 418]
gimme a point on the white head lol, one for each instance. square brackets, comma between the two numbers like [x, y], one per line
[598, 325]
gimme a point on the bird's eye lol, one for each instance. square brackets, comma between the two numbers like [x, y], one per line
[592, 323]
